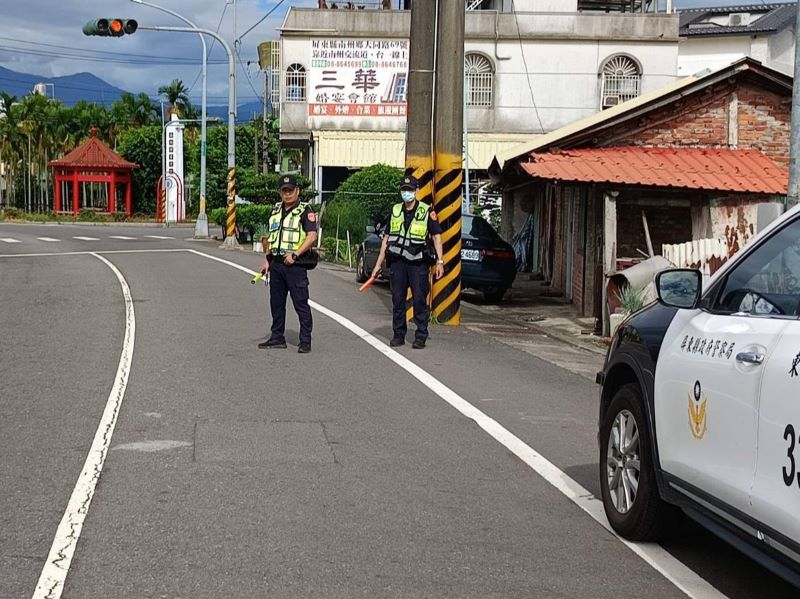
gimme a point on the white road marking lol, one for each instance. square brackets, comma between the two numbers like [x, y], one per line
[159, 237]
[47, 239]
[88, 253]
[656, 556]
[82, 238]
[10, 240]
[151, 446]
[54, 573]
[121, 237]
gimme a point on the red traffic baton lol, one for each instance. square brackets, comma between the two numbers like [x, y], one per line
[367, 285]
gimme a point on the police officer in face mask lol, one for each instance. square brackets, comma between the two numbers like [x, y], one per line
[410, 225]
[292, 232]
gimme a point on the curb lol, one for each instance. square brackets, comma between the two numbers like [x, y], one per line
[542, 331]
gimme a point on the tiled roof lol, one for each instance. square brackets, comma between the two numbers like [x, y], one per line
[93, 153]
[774, 17]
[745, 171]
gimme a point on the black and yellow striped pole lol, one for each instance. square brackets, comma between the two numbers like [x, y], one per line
[419, 138]
[230, 216]
[448, 155]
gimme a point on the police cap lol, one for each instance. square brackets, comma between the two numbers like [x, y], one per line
[409, 182]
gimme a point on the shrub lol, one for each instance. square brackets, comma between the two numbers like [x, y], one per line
[89, 214]
[364, 197]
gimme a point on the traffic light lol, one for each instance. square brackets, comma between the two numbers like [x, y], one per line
[110, 27]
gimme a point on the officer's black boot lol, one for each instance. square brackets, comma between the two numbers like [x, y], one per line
[270, 343]
[304, 348]
[397, 341]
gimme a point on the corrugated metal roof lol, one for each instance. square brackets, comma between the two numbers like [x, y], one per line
[359, 149]
[745, 171]
[773, 17]
[93, 153]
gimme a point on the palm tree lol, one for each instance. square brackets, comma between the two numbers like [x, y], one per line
[147, 112]
[177, 95]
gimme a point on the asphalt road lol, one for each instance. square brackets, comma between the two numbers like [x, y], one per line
[238, 472]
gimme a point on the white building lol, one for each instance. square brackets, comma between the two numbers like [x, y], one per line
[549, 63]
[712, 38]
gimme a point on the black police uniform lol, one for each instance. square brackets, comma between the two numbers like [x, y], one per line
[406, 273]
[294, 281]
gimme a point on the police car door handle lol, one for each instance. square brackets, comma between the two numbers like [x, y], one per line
[750, 357]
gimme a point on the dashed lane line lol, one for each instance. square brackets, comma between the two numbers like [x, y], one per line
[159, 237]
[123, 237]
[49, 239]
[10, 240]
[685, 579]
[82, 238]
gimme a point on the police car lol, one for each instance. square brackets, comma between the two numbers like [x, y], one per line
[700, 404]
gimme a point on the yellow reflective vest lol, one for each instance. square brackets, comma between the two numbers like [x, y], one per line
[410, 243]
[286, 235]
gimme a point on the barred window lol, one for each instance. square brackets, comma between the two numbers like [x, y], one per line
[479, 80]
[620, 81]
[296, 83]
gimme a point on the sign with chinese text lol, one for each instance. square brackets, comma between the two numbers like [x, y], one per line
[358, 77]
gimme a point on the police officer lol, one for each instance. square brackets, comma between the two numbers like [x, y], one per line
[292, 232]
[411, 224]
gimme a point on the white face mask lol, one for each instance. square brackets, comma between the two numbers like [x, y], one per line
[408, 196]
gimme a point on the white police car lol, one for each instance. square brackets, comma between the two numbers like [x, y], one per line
[700, 404]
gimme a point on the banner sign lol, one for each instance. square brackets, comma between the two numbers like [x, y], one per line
[358, 77]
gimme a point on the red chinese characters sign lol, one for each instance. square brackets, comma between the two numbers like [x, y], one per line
[358, 77]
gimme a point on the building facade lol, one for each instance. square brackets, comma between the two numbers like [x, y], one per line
[343, 76]
[712, 38]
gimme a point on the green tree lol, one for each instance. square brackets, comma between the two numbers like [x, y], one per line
[143, 146]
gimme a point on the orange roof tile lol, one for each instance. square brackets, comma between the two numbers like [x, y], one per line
[746, 171]
[93, 153]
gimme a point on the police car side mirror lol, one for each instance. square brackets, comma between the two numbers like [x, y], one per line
[679, 288]
[370, 229]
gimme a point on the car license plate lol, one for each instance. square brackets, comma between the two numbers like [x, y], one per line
[471, 255]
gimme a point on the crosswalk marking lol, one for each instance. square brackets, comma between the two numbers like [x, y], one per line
[159, 237]
[85, 238]
[47, 239]
[120, 237]
[9, 240]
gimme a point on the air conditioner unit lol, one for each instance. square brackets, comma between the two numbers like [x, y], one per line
[739, 19]
[610, 101]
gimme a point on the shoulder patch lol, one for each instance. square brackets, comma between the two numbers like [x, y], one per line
[312, 216]
[434, 217]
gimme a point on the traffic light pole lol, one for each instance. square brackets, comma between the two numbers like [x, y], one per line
[230, 221]
[201, 227]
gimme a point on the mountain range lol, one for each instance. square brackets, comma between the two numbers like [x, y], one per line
[70, 89]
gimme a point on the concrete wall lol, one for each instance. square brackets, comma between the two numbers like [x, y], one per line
[773, 50]
[546, 64]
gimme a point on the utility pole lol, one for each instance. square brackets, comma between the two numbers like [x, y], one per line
[419, 123]
[793, 197]
[448, 153]
[419, 120]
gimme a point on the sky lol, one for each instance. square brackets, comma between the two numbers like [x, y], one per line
[146, 60]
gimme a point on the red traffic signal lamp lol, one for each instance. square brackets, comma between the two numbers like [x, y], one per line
[110, 27]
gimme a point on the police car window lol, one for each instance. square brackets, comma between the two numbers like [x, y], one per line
[767, 282]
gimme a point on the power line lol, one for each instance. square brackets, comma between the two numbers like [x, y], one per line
[262, 19]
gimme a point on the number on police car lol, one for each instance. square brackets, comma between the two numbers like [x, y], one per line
[789, 474]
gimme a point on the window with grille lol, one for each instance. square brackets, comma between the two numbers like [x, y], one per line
[479, 80]
[296, 83]
[620, 81]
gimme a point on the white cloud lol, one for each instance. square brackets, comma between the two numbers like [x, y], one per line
[64, 21]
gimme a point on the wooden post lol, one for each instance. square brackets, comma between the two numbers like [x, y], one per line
[57, 183]
[76, 195]
[128, 185]
[609, 251]
[112, 196]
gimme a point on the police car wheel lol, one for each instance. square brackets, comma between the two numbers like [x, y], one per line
[627, 479]
[361, 269]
